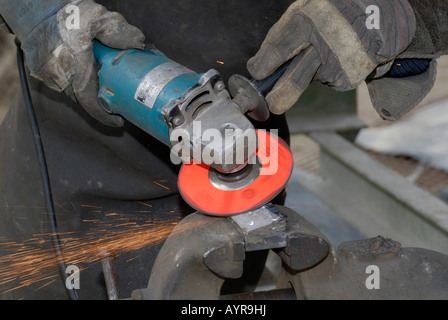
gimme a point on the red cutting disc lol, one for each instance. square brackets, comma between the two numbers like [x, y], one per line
[276, 168]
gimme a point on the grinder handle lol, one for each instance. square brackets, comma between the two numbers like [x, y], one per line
[401, 68]
[266, 85]
[250, 95]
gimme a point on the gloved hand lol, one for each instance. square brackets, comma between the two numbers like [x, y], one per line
[61, 55]
[3, 25]
[330, 43]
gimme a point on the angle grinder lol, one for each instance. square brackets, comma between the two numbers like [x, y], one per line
[197, 116]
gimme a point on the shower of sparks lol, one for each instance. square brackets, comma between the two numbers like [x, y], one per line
[34, 261]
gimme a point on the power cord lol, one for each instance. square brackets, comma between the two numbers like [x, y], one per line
[44, 169]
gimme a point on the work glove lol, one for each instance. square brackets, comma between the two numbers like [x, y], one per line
[333, 42]
[398, 95]
[59, 49]
[3, 25]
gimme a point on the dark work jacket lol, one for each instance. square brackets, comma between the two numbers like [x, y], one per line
[103, 177]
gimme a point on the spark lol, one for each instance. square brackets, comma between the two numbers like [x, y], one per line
[220, 62]
[47, 284]
[145, 204]
[34, 261]
[161, 185]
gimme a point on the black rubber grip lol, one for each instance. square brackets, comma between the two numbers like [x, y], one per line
[266, 85]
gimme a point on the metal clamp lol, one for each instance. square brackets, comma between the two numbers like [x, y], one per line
[204, 251]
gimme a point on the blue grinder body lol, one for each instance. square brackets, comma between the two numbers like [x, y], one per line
[137, 84]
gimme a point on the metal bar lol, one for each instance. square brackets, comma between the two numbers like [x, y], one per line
[110, 277]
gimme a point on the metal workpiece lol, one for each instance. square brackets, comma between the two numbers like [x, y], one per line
[264, 228]
[204, 251]
[298, 243]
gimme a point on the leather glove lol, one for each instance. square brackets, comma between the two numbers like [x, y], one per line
[3, 25]
[329, 42]
[395, 97]
[61, 55]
